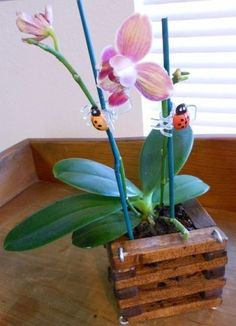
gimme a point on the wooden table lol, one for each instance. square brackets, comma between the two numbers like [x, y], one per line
[62, 285]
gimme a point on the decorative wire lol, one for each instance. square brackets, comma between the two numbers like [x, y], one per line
[164, 124]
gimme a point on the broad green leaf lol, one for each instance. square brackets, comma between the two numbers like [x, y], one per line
[186, 187]
[92, 177]
[183, 143]
[150, 161]
[151, 156]
[59, 219]
[103, 231]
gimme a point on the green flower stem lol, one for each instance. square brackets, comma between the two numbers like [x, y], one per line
[163, 154]
[63, 60]
[170, 148]
[54, 38]
[123, 180]
[179, 226]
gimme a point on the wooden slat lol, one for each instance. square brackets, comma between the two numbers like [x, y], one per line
[198, 215]
[174, 263]
[187, 286]
[48, 151]
[17, 171]
[177, 309]
[171, 246]
[168, 273]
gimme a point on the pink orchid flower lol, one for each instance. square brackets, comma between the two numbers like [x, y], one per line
[39, 25]
[121, 68]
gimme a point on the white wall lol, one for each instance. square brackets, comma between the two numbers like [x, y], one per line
[38, 97]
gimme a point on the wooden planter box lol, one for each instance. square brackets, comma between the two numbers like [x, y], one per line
[164, 275]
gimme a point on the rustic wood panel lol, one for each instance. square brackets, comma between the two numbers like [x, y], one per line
[17, 171]
[60, 284]
[158, 248]
[212, 159]
[185, 286]
[177, 309]
[198, 215]
[163, 274]
[52, 287]
[47, 152]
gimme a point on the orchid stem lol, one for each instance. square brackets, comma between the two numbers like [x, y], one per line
[119, 168]
[55, 40]
[179, 226]
[163, 155]
[167, 109]
[63, 60]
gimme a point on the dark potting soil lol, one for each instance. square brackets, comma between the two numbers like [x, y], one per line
[161, 227]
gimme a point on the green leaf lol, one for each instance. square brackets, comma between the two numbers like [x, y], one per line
[59, 219]
[151, 156]
[186, 187]
[103, 231]
[91, 176]
[150, 161]
[183, 143]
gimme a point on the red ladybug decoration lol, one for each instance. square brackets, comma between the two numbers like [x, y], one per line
[98, 119]
[181, 117]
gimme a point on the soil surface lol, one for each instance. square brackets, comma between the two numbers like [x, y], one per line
[145, 229]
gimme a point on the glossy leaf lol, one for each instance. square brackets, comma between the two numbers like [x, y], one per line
[103, 231]
[183, 143]
[186, 187]
[91, 176]
[151, 156]
[59, 219]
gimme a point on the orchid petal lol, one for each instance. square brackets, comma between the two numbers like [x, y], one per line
[108, 53]
[37, 25]
[153, 81]
[49, 14]
[124, 68]
[134, 37]
[118, 98]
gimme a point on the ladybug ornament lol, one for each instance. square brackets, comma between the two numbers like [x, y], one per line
[181, 117]
[98, 119]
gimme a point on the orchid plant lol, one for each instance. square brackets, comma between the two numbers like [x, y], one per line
[97, 216]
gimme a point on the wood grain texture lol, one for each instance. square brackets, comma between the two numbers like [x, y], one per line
[170, 246]
[163, 274]
[61, 284]
[186, 286]
[212, 160]
[17, 171]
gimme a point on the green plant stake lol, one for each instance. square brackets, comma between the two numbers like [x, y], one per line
[119, 167]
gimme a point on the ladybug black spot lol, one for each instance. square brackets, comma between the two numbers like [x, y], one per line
[185, 122]
[100, 126]
[182, 119]
[179, 124]
[95, 121]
